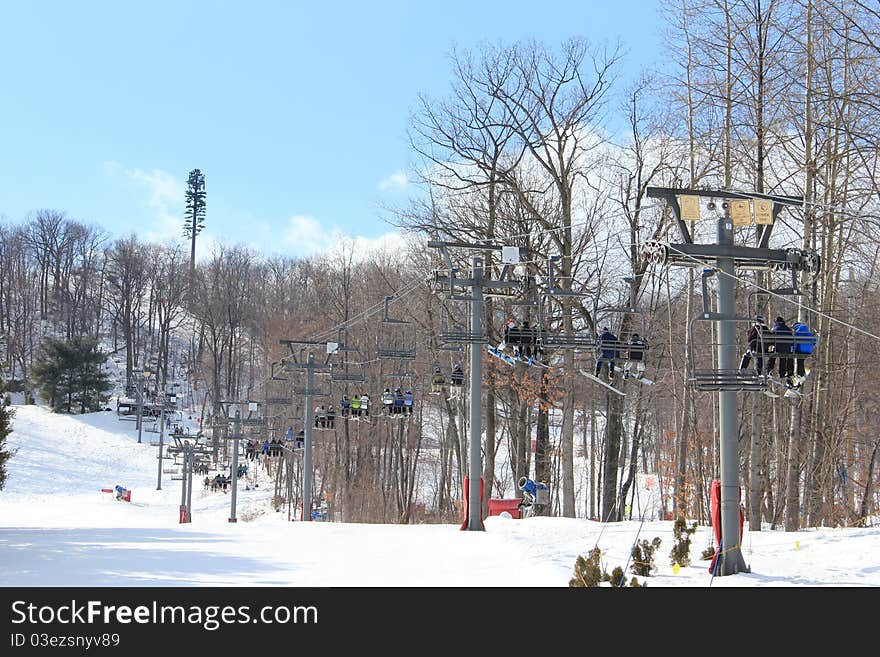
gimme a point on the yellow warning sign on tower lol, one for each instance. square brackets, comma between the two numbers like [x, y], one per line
[740, 213]
[763, 211]
[690, 207]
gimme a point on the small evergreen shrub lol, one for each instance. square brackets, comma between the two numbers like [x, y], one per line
[618, 580]
[681, 550]
[588, 572]
[708, 553]
[643, 557]
[6, 414]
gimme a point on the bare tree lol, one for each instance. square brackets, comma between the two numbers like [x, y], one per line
[127, 280]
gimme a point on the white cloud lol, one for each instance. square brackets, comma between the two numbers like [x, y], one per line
[397, 180]
[165, 198]
[307, 236]
[164, 189]
[364, 246]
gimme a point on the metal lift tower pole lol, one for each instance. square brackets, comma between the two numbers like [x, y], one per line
[236, 435]
[475, 505]
[479, 286]
[731, 559]
[307, 451]
[161, 444]
[310, 366]
[183, 487]
[189, 483]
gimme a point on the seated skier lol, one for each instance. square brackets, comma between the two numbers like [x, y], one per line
[437, 381]
[607, 345]
[457, 375]
[635, 359]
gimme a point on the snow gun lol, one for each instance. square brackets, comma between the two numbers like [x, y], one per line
[531, 488]
[122, 494]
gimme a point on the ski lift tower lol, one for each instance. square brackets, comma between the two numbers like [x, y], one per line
[237, 422]
[451, 285]
[736, 209]
[190, 451]
[299, 360]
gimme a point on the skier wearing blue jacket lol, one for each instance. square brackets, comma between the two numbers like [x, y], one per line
[804, 341]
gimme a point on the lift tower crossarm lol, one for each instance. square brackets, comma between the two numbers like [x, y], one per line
[671, 195]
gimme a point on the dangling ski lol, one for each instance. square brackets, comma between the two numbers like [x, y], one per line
[534, 362]
[510, 360]
[603, 383]
[800, 379]
[789, 391]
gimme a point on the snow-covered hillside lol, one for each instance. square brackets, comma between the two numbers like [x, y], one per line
[58, 529]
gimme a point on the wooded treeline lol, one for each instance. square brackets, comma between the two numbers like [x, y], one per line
[773, 97]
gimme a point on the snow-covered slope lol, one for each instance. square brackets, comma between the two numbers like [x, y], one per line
[58, 529]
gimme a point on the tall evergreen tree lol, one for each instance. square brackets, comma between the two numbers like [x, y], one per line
[69, 374]
[195, 211]
[6, 414]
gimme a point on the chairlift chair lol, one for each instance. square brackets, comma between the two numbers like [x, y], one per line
[325, 425]
[706, 375]
[439, 380]
[552, 278]
[453, 334]
[759, 300]
[399, 342]
[278, 389]
[346, 363]
[615, 318]
[301, 389]
[456, 378]
[341, 372]
[622, 348]
[577, 341]
[398, 402]
[522, 340]
[556, 340]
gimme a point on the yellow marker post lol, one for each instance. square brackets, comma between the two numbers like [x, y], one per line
[797, 545]
[675, 568]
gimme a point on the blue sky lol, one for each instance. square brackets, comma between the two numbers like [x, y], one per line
[296, 113]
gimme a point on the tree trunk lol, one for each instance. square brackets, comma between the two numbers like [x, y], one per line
[613, 432]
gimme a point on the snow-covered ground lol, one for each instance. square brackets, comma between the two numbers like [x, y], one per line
[58, 529]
